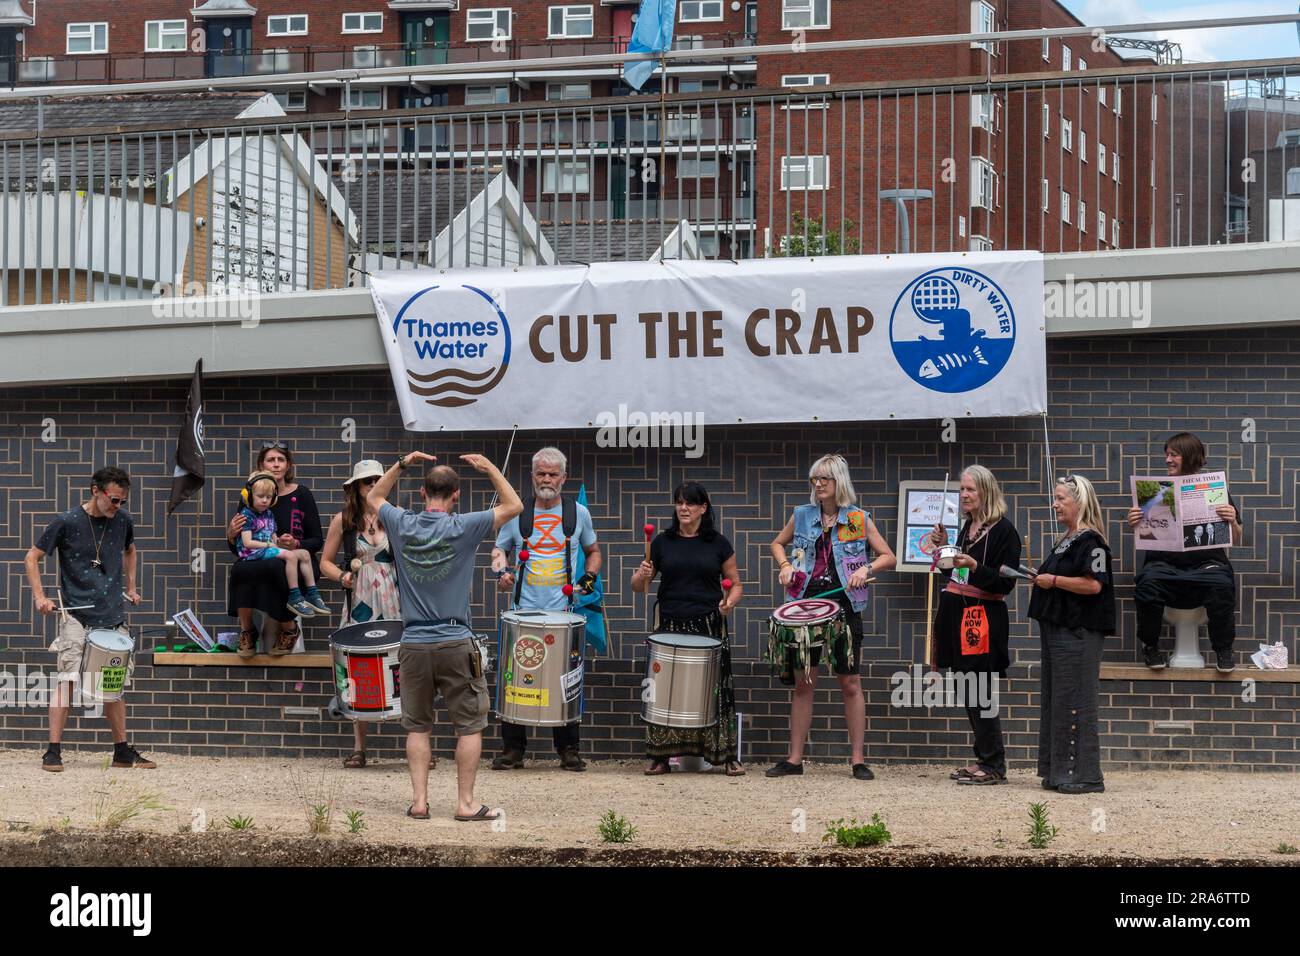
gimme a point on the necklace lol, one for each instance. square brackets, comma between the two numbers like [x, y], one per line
[96, 563]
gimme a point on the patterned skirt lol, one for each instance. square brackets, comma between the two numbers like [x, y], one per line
[716, 744]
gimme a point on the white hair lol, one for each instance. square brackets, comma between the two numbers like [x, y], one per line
[551, 456]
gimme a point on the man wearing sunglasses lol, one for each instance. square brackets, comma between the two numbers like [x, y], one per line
[95, 542]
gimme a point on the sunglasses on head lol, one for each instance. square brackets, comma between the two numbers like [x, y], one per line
[277, 445]
[1068, 480]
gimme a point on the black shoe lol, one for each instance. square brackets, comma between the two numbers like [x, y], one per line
[1226, 661]
[509, 760]
[130, 758]
[1152, 657]
[862, 772]
[784, 769]
[1073, 789]
[52, 762]
[1048, 786]
[570, 760]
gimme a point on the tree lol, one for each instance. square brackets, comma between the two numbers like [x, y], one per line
[808, 237]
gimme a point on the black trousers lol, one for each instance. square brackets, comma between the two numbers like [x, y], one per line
[515, 737]
[990, 753]
[1154, 589]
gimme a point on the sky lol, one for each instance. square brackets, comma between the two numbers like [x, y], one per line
[1218, 44]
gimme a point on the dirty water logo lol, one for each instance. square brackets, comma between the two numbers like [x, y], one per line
[952, 330]
[457, 344]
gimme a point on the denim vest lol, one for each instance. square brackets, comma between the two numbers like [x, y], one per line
[849, 542]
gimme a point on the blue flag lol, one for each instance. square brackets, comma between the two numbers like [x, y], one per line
[653, 34]
[589, 605]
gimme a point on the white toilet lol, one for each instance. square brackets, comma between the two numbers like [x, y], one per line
[1187, 632]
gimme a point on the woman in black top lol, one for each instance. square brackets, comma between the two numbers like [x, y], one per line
[691, 559]
[1074, 605]
[255, 585]
[972, 630]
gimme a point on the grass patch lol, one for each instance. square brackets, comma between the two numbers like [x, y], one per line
[615, 829]
[854, 834]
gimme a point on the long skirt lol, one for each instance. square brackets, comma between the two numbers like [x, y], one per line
[1069, 745]
[716, 744]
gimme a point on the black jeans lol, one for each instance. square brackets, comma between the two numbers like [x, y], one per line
[515, 737]
[1217, 593]
[990, 754]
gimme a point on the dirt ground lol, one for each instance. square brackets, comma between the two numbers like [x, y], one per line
[551, 815]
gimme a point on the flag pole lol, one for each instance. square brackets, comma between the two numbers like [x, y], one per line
[663, 134]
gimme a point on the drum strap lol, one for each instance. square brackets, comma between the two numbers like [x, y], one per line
[568, 525]
[454, 621]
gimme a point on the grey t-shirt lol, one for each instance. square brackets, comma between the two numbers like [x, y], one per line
[434, 552]
[544, 573]
[74, 535]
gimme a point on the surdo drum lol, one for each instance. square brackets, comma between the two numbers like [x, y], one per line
[105, 662]
[540, 668]
[682, 679]
[366, 670]
[803, 625]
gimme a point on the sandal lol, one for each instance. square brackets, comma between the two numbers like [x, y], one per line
[657, 768]
[356, 760]
[981, 778]
[410, 812]
[734, 769]
[483, 814]
[962, 773]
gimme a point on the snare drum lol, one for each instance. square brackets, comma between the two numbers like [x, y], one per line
[946, 557]
[105, 663]
[682, 671]
[803, 625]
[540, 668]
[366, 670]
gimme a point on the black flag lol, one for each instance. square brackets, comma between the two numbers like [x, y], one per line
[188, 477]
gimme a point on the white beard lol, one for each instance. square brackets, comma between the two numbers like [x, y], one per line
[546, 495]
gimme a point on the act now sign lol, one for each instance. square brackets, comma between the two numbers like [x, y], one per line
[848, 338]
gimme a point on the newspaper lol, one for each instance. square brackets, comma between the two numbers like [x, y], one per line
[1178, 512]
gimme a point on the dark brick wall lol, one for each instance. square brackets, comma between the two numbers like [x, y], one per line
[1113, 400]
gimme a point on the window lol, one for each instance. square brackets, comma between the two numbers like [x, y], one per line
[160, 35]
[1065, 58]
[709, 245]
[1114, 165]
[695, 85]
[984, 183]
[1101, 226]
[690, 167]
[364, 136]
[488, 23]
[1101, 158]
[363, 23]
[566, 176]
[980, 244]
[1293, 181]
[1114, 233]
[982, 108]
[1047, 121]
[1083, 65]
[1047, 193]
[806, 79]
[292, 101]
[1047, 48]
[571, 22]
[1119, 101]
[805, 14]
[688, 42]
[1155, 106]
[487, 95]
[1065, 205]
[87, 37]
[983, 19]
[1067, 135]
[364, 99]
[295, 25]
[1288, 137]
[568, 91]
[1083, 145]
[1101, 95]
[698, 11]
[1083, 216]
[804, 172]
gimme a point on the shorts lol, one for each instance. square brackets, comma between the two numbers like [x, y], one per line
[261, 554]
[70, 642]
[452, 668]
[840, 666]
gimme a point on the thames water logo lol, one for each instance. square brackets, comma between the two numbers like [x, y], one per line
[947, 347]
[458, 344]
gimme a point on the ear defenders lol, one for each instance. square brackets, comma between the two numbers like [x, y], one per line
[246, 493]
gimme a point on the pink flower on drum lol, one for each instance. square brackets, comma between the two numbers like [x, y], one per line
[795, 587]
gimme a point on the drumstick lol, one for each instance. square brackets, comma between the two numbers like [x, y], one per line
[649, 530]
[929, 585]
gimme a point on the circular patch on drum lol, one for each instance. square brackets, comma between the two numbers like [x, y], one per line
[528, 679]
[549, 639]
[806, 611]
[376, 634]
[529, 653]
[115, 662]
[656, 667]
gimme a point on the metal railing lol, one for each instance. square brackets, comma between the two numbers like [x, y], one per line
[1114, 159]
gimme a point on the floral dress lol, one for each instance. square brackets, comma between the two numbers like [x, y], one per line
[374, 588]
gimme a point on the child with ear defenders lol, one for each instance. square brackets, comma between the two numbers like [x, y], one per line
[256, 543]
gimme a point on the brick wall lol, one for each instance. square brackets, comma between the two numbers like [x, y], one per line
[1113, 400]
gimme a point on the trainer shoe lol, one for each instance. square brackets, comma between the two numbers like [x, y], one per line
[301, 607]
[784, 769]
[52, 762]
[318, 604]
[1226, 661]
[284, 643]
[1152, 657]
[247, 644]
[570, 760]
[130, 758]
[509, 760]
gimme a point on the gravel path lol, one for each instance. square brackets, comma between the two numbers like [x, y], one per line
[1157, 815]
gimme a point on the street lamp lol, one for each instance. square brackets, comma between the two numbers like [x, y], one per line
[900, 198]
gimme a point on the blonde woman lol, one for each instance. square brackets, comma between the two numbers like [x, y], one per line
[837, 547]
[1074, 605]
[972, 629]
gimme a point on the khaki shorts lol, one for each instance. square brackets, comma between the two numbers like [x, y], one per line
[71, 642]
[451, 668]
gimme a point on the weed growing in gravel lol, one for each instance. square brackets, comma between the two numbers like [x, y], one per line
[115, 805]
[615, 829]
[355, 823]
[317, 795]
[17, 826]
[239, 823]
[1040, 832]
[858, 834]
[1000, 841]
[1286, 849]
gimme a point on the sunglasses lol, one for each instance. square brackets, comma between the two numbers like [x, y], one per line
[367, 481]
[277, 445]
[115, 502]
[818, 479]
[1068, 480]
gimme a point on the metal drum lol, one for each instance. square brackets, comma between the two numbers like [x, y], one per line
[946, 558]
[683, 676]
[366, 670]
[539, 668]
[105, 662]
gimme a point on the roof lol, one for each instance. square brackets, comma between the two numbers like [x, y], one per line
[631, 240]
[415, 205]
